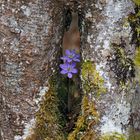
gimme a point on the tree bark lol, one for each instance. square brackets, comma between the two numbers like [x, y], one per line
[31, 35]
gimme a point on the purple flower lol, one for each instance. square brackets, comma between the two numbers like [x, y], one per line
[68, 69]
[65, 58]
[71, 55]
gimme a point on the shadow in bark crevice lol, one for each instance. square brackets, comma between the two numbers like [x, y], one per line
[67, 87]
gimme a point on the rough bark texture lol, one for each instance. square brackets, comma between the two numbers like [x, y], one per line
[29, 42]
[31, 34]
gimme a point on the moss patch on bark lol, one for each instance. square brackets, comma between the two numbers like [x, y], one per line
[89, 117]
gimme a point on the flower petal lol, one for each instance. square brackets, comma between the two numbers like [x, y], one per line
[73, 64]
[76, 60]
[77, 56]
[64, 58]
[64, 72]
[74, 71]
[69, 75]
[68, 52]
[69, 60]
[63, 66]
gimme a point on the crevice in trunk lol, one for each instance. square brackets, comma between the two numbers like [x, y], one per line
[68, 91]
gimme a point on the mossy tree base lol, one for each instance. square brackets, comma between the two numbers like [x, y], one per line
[48, 119]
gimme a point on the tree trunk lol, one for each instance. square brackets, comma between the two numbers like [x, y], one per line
[31, 35]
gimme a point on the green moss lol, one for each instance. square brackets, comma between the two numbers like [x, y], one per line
[134, 136]
[121, 64]
[134, 20]
[89, 116]
[48, 118]
[113, 136]
[92, 81]
[86, 120]
[137, 57]
[137, 64]
[137, 2]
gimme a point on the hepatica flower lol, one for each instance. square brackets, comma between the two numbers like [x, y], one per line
[71, 56]
[70, 59]
[69, 69]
